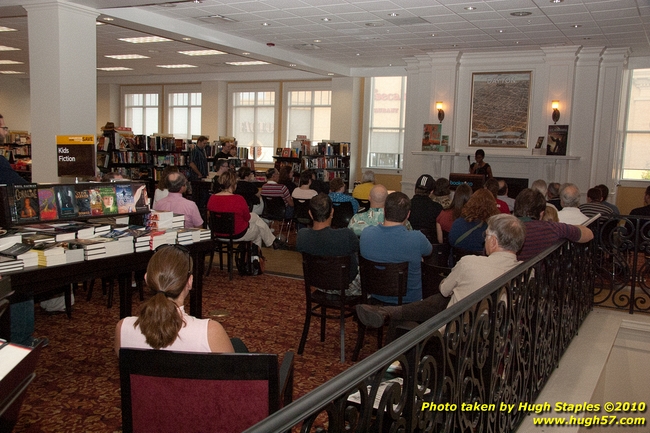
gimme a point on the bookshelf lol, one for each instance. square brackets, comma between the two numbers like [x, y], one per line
[18, 151]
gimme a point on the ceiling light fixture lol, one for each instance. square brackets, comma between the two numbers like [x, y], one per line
[5, 48]
[181, 66]
[250, 63]
[520, 14]
[292, 64]
[201, 52]
[325, 19]
[374, 24]
[501, 31]
[557, 1]
[108, 19]
[114, 69]
[126, 56]
[97, 23]
[330, 74]
[7, 29]
[10, 62]
[11, 72]
[433, 35]
[145, 40]
[317, 40]
[187, 39]
[576, 26]
[265, 24]
[470, 8]
[246, 53]
[393, 14]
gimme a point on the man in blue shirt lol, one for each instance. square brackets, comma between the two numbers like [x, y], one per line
[393, 243]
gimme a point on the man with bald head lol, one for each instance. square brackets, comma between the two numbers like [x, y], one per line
[375, 214]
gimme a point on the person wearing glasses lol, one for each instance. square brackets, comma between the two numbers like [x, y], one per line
[222, 167]
[163, 323]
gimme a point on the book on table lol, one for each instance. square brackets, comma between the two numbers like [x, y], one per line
[47, 204]
[26, 202]
[66, 201]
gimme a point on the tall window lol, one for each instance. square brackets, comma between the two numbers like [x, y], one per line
[386, 133]
[309, 114]
[254, 123]
[141, 112]
[636, 150]
[184, 112]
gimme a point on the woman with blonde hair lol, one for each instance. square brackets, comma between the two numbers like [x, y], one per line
[467, 231]
[163, 323]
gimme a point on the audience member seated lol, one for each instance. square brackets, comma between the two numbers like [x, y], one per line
[530, 207]
[503, 238]
[320, 186]
[161, 188]
[550, 214]
[274, 189]
[645, 210]
[447, 217]
[362, 191]
[248, 226]
[304, 191]
[286, 178]
[605, 192]
[467, 232]
[222, 167]
[595, 204]
[553, 195]
[492, 185]
[442, 193]
[424, 211]
[247, 189]
[391, 242]
[163, 323]
[323, 240]
[502, 194]
[175, 202]
[338, 195]
[375, 214]
[570, 200]
[112, 176]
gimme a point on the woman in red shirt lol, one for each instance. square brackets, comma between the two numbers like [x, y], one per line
[248, 226]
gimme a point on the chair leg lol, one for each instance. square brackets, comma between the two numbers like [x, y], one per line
[305, 330]
[230, 255]
[210, 265]
[361, 333]
[111, 285]
[89, 286]
[342, 335]
[323, 312]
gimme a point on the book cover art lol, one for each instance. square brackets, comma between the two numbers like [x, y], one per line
[109, 200]
[65, 200]
[47, 204]
[141, 197]
[82, 198]
[431, 136]
[557, 139]
[26, 202]
[125, 199]
[96, 205]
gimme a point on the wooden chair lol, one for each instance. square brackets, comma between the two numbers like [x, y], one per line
[384, 279]
[327, 273]
[364, 205]
[275, 210]
[343, 213]
[167, 391]
[224, 223]
[440, 254]
[432, 276]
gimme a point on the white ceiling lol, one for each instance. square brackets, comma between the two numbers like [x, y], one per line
[359, 34]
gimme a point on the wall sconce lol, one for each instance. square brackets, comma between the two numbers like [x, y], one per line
[441, 112]
[555, 105]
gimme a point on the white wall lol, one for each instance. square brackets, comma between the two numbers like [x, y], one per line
[14, 102]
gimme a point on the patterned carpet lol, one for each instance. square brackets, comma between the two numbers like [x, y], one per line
[77, 384]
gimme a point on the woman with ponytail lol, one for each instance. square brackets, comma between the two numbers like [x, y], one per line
[163, 323]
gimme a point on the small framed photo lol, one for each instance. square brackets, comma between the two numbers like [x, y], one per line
[278, 151]
[540, 142]
[286, 152]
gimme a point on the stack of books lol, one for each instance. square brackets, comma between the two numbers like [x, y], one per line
[159, 238]
[159, 220]
[119, 245]
[142, 242]
[8, 264]
[74, 255]
[36, 239]
[50, 254]
[178, 220]
[184, 236]
[93, 248]
[10, 238]
[20, 251]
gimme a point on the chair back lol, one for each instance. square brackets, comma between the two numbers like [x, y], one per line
[222, 224]
[166, 391]
[301, 211]
[439, 254]
[364, 205]
[432, 276]
[343, 213]
[431, 235]
[458, 254]
[274, 208]
[326, 273]
[384, 279]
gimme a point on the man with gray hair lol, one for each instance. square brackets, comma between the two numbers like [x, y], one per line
[504, 237]
[570, 200]
[175, 202]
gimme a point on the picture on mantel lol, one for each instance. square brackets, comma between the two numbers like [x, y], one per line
[557, 139]
[431, 136]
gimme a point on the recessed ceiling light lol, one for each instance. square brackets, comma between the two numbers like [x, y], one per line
[201, 52]
[470, 8]
[433, 34]
[266, 24]
[11, 72]
[108, 19]
[7, 29]
[317, 40]
[145, 40]
[586, 38]
[575, 26]
[557, 1]
[520, 14]
[115, 68]
[501, 31]
[127, 56]
[197, 1]
[181, 66]
[10, 62]
[4, 48]
[246, 53]
[187, 39]
[251, 63]
[330, 73]
[393, 14]
[374, 24]
[390, 64]
[358, 54]
[97, 23]
[292, 64]
[325, 19]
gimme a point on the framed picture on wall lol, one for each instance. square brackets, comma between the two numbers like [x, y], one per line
[500, 109]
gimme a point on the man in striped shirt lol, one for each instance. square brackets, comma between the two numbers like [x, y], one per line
[530, 206]
[274, 189]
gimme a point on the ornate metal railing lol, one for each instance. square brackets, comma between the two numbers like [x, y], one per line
[497, 347]
[622, 263]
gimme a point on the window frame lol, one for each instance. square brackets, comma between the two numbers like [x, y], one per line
[302, 86]
[136, 90]
[180, 88]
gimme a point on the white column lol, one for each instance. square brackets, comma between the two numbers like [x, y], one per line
[346, 117]
[63, 79]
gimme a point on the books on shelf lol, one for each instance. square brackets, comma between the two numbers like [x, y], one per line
[66, 201]
[47, 204]
[26, 203]
[125, 200]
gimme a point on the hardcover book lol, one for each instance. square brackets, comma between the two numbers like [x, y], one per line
[96, 206]
[109, 200]
[26, 202]
[47, 204]
[557, 139]
[65, 200]
[125, 200]
[82, 196]
[431, 136]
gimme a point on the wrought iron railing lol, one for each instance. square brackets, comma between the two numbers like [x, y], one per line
[622, 263]
[497, 347]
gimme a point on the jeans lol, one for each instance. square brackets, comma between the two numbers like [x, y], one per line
[22, 322]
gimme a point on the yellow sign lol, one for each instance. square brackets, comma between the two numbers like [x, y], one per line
[75, 139]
